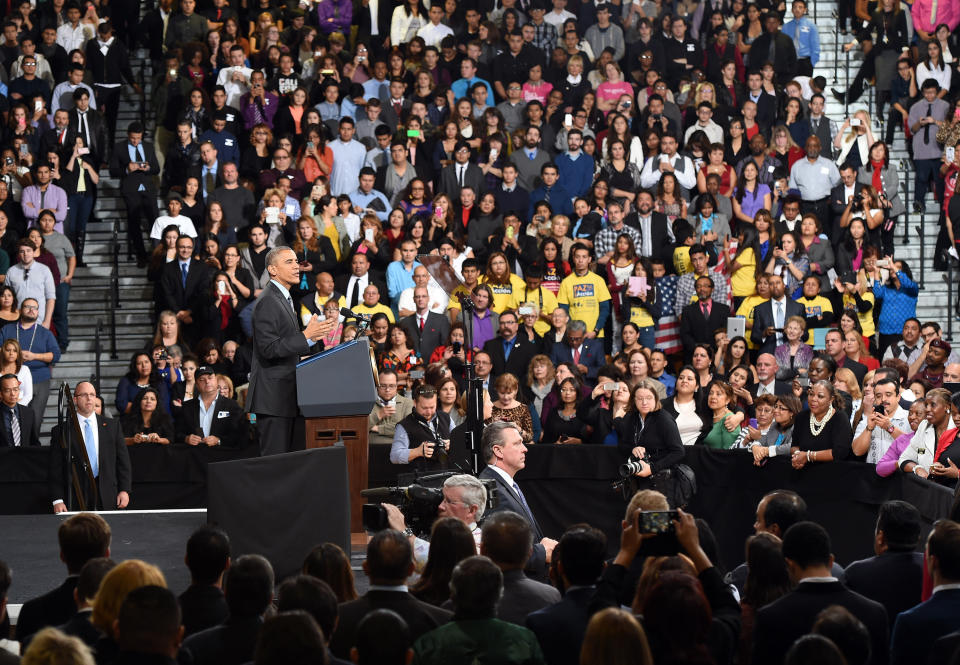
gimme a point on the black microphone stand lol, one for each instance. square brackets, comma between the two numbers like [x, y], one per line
[474, 421]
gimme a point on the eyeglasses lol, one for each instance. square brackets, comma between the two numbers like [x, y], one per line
[33, 308]
[29, 64]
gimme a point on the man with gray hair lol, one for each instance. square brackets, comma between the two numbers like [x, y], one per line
[278, 343]
[503, 450]
[464, 497]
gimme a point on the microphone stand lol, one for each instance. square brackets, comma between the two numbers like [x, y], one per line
[474, 420]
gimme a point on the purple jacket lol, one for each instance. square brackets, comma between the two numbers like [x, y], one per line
[335, 16]
[55, 200]
[249, 110]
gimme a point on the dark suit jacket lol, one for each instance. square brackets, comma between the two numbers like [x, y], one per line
[560, 628]
[916, 629]
[436, 329]
[79, 626]
[591, 355]
[341, 282]
[943, 650]
[763, 319]
[779, 388]
[660, 241]
[51, 609]
[196, 171]
[472, 178]
[420, 617]
[508, 500]
[29, 431]
[364, 21]
[114, 465]
[130, 182]
[781, 622]
[231, 428]
[99, 141]
[178, 297]
[521, 596]
[695, 328]
[523, 352]
[277, 347]
[203, 607]
[859, 369]
[785, 55]
[893, 579]
[838, 204]
[230, 643]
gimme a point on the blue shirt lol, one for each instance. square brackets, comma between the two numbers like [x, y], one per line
[576, 174]
[361, 200]
[508, 347]
[136, 155]
[897, 305]
[398, 278]
[806, 39]
[37, 339]
[204, 170]
[228, 148]
[557, 196]
[461, 88]
[206, 415]
[373, 88]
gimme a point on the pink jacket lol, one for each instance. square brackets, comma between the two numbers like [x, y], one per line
[948, 11]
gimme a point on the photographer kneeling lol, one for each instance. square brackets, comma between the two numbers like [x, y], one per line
[649, 438]
[464, 497]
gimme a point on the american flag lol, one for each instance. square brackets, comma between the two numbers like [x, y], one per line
[668, 327]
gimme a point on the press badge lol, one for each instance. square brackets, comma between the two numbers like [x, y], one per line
[223, 414]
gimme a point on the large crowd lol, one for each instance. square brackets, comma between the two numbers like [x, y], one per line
[663, 241]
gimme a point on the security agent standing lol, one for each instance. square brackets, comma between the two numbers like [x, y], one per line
[424, 435]
[278, 343]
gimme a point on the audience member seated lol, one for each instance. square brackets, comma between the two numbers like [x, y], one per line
[209, 418]
[88, 583]
[124, 578]
[203, 604]
[146, 423]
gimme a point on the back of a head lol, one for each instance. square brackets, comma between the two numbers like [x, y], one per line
[944, 544]
[291, 638]
[313, 596]
[507, 539]
[51, 647]
[149, 621]
[767, 576]
[120, 581]
[900, 523]
[807, 544]
[475, 588]
[6, 579]
[814, 650]
[389, 557]
[677, 617]
[646, 500]
[583, 550]
[91, 576]
[328, 562]
[83, 537]
[248, 586]
[208, 554]
[383, 638]
[846, 631]
[784, 509]
[615, 637]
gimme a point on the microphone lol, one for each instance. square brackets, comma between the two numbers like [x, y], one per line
[350, 314]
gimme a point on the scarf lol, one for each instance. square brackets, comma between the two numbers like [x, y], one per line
[944, 442]
[877, 168]
[574, 80]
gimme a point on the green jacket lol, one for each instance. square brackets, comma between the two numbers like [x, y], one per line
[478, 642]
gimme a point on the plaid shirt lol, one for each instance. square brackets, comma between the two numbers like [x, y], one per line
[545, 38]
[686, 288]
[606, 240]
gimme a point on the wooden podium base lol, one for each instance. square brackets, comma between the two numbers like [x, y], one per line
[352, 430]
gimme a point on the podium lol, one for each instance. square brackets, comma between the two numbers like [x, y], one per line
[335, 392]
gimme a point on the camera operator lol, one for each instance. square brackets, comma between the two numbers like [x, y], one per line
[423, 435]
[389, 410]
[464, 497]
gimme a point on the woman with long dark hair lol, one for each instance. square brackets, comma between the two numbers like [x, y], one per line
[767, 580]
[648, 433]
[750, 195]
[141, 374]
[450, 543]
[146, 423]
[689, 412]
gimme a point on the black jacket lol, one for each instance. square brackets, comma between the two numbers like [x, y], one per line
[560, 628]
[230, 643]
[228, 423]
[51, 609]
[523, 352]
[658, 435]
[508, 500]
[420, 617]
[203, 606]
[893, 579]
[114, 67]
[29, 429]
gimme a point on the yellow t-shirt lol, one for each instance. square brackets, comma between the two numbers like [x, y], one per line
[454, 302]
[681, 260]
[376, 309]
[583, 295]
[817, 306]
[334, 235]
[866, 318]
[743, 282]
[545, 300]
[640, 317]
[503, 293]
[746, 311]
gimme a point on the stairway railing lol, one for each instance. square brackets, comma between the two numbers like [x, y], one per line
[97, 351]
[114, 293]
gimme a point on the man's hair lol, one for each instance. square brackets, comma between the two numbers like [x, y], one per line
[208, 553]
[291, 638]
[475, 588]
[697, 249]
[582, 550]
[838, 625]
[474, 493]
[900, 523]
[80, 93]
[930, 83]
[807, 544]
[382, 637]
[389, 555]
[507, 539]
[576, 325]
[784, 508]
[944, 543]
[273, 256]
[91, 575]
[248, 586]
[493, 436]
[149, 620]
[313, 596]
[83, 537]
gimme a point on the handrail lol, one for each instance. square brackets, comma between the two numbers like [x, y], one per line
[114, 292]
[948, 278]
[141, 78]
[97, 350]
[923, 248]
[906, 197]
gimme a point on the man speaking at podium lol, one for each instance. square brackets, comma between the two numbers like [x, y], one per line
[278, 344]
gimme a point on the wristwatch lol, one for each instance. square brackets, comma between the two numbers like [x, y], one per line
[408, 532]
[890, 428]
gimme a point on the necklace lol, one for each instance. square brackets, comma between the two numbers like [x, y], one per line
[816, 426]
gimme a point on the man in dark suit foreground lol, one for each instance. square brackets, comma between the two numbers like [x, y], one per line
[203, 604]
[88, 583]
[278, 344]
[210, 419]
[916, 629]
[894, 577]
[503, 450]
[19, 423]
[106, 451]
[806, 548]
[388, 565]
[249, 592]
[82, 537]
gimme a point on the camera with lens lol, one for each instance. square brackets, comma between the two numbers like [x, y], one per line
[417, 503]
[858, 199]
[631, 467]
